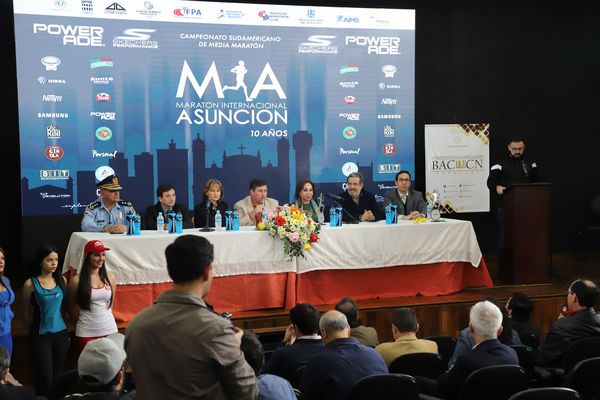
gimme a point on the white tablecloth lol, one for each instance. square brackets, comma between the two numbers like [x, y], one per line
[140, 259]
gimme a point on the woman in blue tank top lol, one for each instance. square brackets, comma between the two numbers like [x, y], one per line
[7, 297]
[43, 300]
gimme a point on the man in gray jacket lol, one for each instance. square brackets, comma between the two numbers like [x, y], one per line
[410, 202]
[179, 348]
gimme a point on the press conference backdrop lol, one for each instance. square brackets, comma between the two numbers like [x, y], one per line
[159, 91]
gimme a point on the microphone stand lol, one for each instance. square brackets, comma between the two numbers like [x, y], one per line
[206, 227]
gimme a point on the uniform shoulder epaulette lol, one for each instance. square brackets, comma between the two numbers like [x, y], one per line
[94, 205]
[125, 203]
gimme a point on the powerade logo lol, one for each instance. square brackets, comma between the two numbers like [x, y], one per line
[103, 133]
[105, 116]
[101, 62]
[75, 35]
[349, 132]
[345, 69]
[187, 12]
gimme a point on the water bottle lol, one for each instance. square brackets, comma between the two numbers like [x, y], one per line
[332, 217]
[394, 212]
[171, 221]
[218, 221]
[178, 222]
[228, 220]
[235, 225]
[263, 216]
[339, 216]
[388, 215]
[160, 223]
[137, 224]
[129, 222]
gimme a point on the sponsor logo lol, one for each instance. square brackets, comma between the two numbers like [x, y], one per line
[311, 18]
[101, 80]
[46, 195]
[75, 35]
[42, 80]
[54, 174]
[51, 98]
[187, 12]
[349, 168]
[389, 71]
[349, 151]
[345, 69]
[61, 4]
[103, 171]
[350, 116]
[97, 154]
[347, 19]
[272, 15]
[463, 163]
[349, 100]
[389, 131]
[383, 86]
[382, 45]
[233, 14]
[349, 132]
[102, 96]
[54, 153]
[148, 10]
[87, 7]
[389, 102]
[52, 115]
[103, 133]
[348, 84]
[389, 116]
[263, 15]
[318, 44]
[388, 168]
[136, 38]
[52, 132]
[389, 149]
[115, 9]
[101, 62]
[311, 13]
[383, 186]
[50, 62]
[105, 116]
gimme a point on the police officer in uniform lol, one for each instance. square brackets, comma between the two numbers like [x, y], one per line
[108, 213]
[511, 170]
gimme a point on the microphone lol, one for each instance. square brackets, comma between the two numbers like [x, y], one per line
[525, 168]
[335, 197]
[206, 225]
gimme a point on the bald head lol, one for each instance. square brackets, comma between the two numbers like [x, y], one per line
[334, 325]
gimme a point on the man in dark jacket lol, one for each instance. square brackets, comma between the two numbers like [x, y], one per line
[358, 204]
[579, 321]
[166, 202]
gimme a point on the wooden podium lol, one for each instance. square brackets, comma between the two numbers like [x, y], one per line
[527, 233]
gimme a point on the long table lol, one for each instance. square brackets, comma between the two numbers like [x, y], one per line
[366, 260]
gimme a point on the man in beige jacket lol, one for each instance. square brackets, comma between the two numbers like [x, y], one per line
[250, 208]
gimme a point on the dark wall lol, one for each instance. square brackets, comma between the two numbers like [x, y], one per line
[527, 70]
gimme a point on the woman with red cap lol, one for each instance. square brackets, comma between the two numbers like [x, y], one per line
[91, 296]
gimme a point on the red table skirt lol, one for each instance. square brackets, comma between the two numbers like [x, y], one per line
[284, 290]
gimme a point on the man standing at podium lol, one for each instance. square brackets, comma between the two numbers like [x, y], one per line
[511, 170]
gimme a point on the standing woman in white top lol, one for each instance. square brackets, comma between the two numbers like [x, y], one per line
[91, 296]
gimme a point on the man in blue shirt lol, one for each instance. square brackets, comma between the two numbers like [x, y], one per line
[331, 372]
[108, 213]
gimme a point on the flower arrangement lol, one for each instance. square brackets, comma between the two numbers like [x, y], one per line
[297, 231]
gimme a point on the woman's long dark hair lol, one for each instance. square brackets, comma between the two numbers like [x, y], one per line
[84, 290]
[299, 187]
[36, 268]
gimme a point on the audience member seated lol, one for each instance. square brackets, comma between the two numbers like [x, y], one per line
[519, 308]
[300, 343]
[101, 368]
[580, 320]
[212, 196]
[250, 208]
[331, 373]
[166, 203]
[466, 341]
[270, 387]
[178, 348]
[9, 390]
[485, 325]
[364, 334]
[404, 331]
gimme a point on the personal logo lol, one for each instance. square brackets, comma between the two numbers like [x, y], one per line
[349, 168]
[50, 62]
[103, 133]
[349, 100]
[389, 149]
[54, 153]
[52, 132]
[103, 97]
[389, 70]
[349, 132]
[101, 62]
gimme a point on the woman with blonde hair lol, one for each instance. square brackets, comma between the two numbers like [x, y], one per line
[212, 200]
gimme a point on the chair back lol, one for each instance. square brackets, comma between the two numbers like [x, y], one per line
[526, 358]
[583, 378]
[497, 382]
[385, 387]
[580, 350]
[429, 365]
[446, 345]
[548, 393]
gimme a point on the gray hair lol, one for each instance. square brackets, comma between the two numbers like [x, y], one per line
[486, 319]
[333, 323]
[358, 175]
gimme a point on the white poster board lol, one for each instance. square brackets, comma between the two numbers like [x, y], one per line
[457, 166]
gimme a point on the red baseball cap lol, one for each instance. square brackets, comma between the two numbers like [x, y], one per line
[94, 246]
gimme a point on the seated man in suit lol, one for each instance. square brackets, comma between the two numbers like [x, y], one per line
[410, 202]
[166, 203]
[7, 389]
[579, 321]
[364, 334]
[359, 204]
[404, 331]
[251, 207]
[519, 308]
[300, 343]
